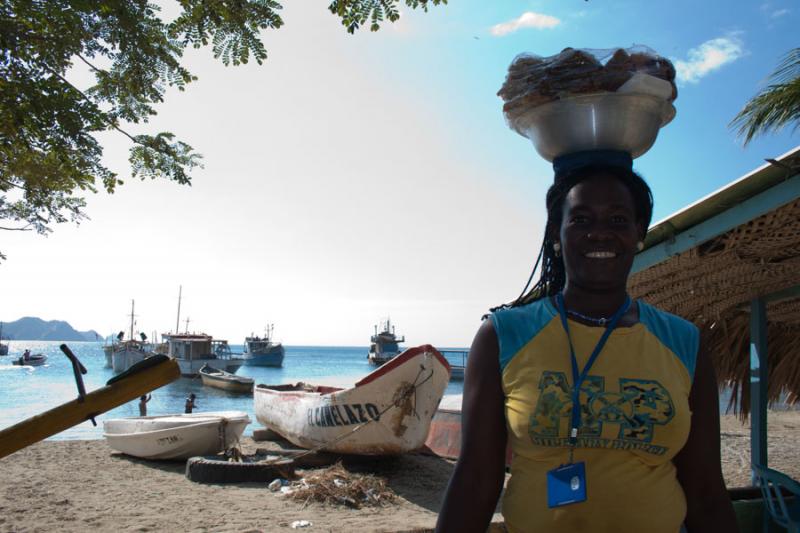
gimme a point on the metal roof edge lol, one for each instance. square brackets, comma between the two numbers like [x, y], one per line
[762, 178]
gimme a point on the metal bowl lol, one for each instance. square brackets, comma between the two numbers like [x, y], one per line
[604, 121]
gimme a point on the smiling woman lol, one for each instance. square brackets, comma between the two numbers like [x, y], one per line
[609, 405]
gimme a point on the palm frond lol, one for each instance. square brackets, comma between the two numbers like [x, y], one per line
[777, 105]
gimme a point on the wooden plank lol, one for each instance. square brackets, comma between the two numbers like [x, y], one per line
[65, 416]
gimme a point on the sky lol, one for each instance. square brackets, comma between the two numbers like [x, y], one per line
[351, 178]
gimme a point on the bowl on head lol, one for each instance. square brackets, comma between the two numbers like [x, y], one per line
[602, 121]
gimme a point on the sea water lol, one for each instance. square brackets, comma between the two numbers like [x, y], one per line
[26, 391]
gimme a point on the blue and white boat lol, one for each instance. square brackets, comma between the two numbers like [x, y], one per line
[262, 351]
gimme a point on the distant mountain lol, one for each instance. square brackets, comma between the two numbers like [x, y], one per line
[35, 329]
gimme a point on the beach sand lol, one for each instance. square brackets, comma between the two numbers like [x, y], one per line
[85, 486]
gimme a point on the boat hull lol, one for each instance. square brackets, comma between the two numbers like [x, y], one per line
[386, 413]
[123, 359]
[381, 358]
[35, 360]
[175, 436]
[265, 359]
[191, 367]
[228, 382]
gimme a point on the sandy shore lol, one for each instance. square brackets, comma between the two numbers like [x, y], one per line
[84, 486]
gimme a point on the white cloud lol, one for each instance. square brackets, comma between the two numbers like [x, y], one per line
[708, 57]
[779, 13]
[529, 19]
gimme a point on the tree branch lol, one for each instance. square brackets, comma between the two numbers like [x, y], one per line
[26, 228]
[110, 123]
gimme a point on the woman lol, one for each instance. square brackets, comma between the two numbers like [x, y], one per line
[640, 451]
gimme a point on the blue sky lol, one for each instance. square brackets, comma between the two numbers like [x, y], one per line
[354, 177]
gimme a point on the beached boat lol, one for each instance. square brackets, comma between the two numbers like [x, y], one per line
[225, 380]
[262, 351]
[36, 359]
[388, 412]
[194, 350]
[384, 345]
[178, 436]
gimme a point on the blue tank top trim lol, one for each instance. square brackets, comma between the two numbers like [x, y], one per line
[679, 335]
[515, 327]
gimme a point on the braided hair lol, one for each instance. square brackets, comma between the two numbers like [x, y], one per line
[552, 276]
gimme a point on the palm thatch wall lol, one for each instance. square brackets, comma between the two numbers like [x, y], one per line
[713, 285]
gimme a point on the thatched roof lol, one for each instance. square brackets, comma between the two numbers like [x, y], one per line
[713, 279]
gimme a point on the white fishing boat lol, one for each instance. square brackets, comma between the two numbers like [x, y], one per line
[177, 436]
[220, 379]
[123, 354]
[388, 412]
[384, 345]
[192, 351]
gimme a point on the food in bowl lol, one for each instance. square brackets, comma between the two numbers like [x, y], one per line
[534, 81]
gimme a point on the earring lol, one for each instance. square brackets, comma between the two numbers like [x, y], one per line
[557, 249]
[640, 246]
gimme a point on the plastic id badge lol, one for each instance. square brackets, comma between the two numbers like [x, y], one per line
[566, 485]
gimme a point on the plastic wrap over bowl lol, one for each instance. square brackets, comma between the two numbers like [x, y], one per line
[606, 121]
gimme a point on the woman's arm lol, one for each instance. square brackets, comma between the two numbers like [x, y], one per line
[698, 464]
[477, 480]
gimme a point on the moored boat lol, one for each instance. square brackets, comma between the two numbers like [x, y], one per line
[220, 379]
[388, 412]
[177, 436]
[194, 350]
[262, 351]
[384, 345]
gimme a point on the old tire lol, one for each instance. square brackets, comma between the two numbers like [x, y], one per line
[214, 470]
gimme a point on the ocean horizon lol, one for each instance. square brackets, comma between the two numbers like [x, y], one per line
[28, 391]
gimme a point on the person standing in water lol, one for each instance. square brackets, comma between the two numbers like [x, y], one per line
[190, 404]
[143, 404]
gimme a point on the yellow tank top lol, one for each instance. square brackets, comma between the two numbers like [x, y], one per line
[634, 418]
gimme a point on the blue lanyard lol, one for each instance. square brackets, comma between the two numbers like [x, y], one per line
[578, 377]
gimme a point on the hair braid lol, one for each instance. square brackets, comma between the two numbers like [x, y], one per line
[552, 276]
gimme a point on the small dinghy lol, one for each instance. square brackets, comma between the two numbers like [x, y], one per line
[388, 412]
[178, 436]
[36, 359]
[225, 380]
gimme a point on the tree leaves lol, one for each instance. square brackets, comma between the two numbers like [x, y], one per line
[356, 13]
[777, 105]
[48, 153]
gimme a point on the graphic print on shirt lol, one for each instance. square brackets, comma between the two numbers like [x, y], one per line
[637, 407]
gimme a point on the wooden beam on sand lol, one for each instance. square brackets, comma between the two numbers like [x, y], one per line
[119, 390]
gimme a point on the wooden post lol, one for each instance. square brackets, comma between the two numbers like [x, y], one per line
[758, 383]
[94, 403]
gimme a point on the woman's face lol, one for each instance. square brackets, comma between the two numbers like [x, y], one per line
[598, 234]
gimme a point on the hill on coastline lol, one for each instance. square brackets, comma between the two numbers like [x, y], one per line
[35, 329]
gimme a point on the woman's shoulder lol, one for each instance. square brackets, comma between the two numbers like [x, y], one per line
[657, 316]
[679, 335]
